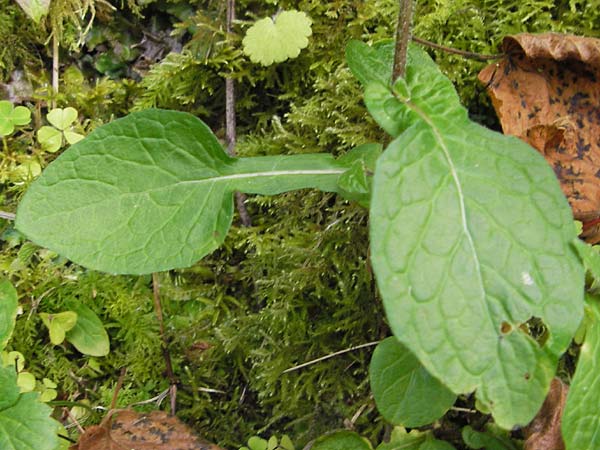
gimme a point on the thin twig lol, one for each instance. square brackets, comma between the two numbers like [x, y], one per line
[157, 398]
[113, 402]
[211, 391]
[230, 122]
[7, 215]
[403, 32]
[331, 355]
[55, 67]
[465, 410]
[165, 345]
[466, 54]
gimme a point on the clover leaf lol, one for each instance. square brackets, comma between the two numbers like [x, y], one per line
[269, 41]
[11, 116]
[62, 120]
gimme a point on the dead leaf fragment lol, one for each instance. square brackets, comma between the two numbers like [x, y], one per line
[546, 91]
[129, 430]
[543, 433]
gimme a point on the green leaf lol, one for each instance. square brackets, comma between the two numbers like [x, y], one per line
[88, 335]
[26, 381]
[581, 421]
[9, 306]
[257, 443]
[21, 115]
[471, 237]
[58, 324]
[415, 440]
[6, 125]
[8, 378]
[72, 137]
[492, 440]
[269, 41]
[591, 260]
[286, 443]
[50, 138]
[11, 117]
[62, 118]
[341, 440]
[272, 443]
[153, 191]
[405, 393]
[14, 359]
[35, 9]
[370, 63]
[355, 183]
[25, 422]
[372, 66]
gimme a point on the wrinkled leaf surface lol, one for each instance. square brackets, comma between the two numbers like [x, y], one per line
[471, 237]
[153, 191]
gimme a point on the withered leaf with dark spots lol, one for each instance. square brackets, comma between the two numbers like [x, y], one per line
[129, 430]
[546, 91]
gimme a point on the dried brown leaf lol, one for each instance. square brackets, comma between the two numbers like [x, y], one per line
[543, 433]
[129, 430]
[546, 91]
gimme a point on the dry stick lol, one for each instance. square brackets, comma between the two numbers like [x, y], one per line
[113, 403]
[165, 347]
[331, 355]
[403, 32]
[466, 54]
[7, 215]
[230, 124]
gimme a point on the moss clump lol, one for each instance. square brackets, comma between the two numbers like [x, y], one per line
[293, 287]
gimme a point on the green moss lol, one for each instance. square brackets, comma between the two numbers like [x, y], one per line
[293, 287]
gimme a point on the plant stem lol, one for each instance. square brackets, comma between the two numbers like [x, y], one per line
[55, 68]
[230, 122]
[165, 344]
[403, 32]
[466, 54]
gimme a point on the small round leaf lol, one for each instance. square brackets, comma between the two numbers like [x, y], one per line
[269, 41]
[62, 118]
[50, 138]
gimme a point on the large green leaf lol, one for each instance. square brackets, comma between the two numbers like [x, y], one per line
[581, 421]
[88, 335]
[405, 393]
[25, 422]
[471, 238]
[8, 311]
[153, 191]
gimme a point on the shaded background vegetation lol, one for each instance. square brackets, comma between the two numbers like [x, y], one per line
[294, 286]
